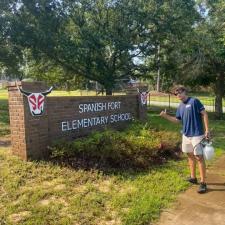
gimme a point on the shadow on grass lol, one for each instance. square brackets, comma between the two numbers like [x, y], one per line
[4, 111]
[4, 118]
[124, 163]
[131, 173]
[4, 104]
[5, 143]
[90, 164]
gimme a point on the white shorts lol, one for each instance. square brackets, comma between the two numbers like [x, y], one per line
[192, 144]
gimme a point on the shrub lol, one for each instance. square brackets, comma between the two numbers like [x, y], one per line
[139, 146]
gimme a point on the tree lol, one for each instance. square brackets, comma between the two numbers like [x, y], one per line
[10, 54]
[94, 39]
[203, 58]
[98, 40]
[175, 24]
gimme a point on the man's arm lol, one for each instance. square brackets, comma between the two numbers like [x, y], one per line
[168, 117]
[206, 123]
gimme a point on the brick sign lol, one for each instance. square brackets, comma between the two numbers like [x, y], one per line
[93, 114]
[63, 117]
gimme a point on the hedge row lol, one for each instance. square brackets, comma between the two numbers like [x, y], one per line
[139, 147]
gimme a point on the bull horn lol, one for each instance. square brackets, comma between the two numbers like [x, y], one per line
[47, 92]
[24, 92]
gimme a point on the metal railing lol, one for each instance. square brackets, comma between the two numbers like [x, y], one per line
[171, 101]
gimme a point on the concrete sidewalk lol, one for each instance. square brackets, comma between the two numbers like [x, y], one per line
[192, 208]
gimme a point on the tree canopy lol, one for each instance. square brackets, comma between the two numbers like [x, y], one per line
[102, 40]
[73, 41]
[202, 60]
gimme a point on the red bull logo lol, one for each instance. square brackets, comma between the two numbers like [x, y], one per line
[144, 96]
[36, 101]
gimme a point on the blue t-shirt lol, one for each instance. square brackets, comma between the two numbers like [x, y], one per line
[189, 112]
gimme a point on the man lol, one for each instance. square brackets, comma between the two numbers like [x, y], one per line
[192, 115]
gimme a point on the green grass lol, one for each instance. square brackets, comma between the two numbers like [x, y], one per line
[72, 93]
[206, 100]
[43, 193]
[3, 94]
[78, 93]
[4, 114]
[4, 117]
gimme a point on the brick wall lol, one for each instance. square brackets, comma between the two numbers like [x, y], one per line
[17, 122]
[32, 134]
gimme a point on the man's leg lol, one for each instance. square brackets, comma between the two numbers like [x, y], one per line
[192, 164]
[198, 152]
[187, 147]
[202, 171]
[201, 166]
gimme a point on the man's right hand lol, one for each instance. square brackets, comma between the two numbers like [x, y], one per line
[207, 135]
[168, 117]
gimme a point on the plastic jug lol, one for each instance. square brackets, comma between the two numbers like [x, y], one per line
[208, 151]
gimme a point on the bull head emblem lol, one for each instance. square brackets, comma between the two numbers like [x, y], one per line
[36, 101]
[144, 96]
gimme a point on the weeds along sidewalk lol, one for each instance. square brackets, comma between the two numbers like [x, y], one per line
[192, 208]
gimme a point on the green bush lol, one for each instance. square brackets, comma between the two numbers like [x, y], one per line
[139, 146]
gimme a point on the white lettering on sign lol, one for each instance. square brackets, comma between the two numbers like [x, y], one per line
[92, 107]
[113, 105]
[120, 117]
[95, 121]
[84, 123]
[98, 107]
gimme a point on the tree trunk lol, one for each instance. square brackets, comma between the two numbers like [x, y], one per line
[219, 91]
[108, 91]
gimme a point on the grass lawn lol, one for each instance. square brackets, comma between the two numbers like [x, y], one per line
[4, 116]
[79, 93]
[206, 100]
[3, 94]
[42, 193]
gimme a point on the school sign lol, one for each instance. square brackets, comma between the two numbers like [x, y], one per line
[37, 120]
